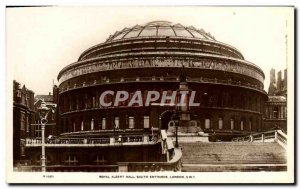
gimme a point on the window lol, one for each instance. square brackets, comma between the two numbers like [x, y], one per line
[77, 103]
[27, 124]
[37, 129]
[117, 123]
[18, 93]
[220, 123]
[242, 125]
[23, 99]
[70, 104]
[82, 125]
[231, 124]
[131, 122]
[146, 122]
[92, 124]
[74, 127]
[93, 102]
[275, 112]
[103, 123]
[285, 112]
[250, 125]
[23, 122]
[207, 123]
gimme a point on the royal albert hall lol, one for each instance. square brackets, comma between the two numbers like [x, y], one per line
[150, 57]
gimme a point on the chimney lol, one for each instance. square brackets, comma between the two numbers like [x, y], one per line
[272, 76]
[279, 80]
[272, 85]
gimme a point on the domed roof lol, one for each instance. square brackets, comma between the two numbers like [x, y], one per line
[160, 28]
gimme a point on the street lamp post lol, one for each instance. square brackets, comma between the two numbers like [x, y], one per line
[43, 112]
[176, 135]
[175, 118]
[43, 158]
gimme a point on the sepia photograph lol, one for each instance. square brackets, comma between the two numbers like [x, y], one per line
[150, 94]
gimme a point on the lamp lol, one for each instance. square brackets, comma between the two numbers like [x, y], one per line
[175, 117]
[43, 111]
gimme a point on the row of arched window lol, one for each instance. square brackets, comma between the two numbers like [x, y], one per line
[131, 123]
[206, 99]
[101, 124]
[242, 124]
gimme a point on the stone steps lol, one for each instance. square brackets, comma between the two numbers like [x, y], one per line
[232, 156]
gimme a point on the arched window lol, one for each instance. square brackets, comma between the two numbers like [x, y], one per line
[242, 125]
[117, 123]
[207, 123]
[103, 123]
[232, 124]
[94, 101]
[220, 123]
[77, 103]
[92, 124]
[131, 122]
[146, 122]
[82, 126]
[23, 122]
[85, 101]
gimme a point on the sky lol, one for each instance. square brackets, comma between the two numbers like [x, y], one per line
[41, 41]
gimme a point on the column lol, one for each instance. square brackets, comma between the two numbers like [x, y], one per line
[270, 112]
[281, 112]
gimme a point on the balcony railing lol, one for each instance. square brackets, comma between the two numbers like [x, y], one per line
[162, 79]
[269, 136]
[93, 132]
[119, 140]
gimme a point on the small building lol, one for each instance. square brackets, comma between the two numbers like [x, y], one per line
[276, 106]
[50, 128]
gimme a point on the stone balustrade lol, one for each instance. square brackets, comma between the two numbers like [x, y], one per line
[125, 140]
[269, 136]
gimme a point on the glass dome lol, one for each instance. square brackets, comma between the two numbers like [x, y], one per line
[160, 28]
